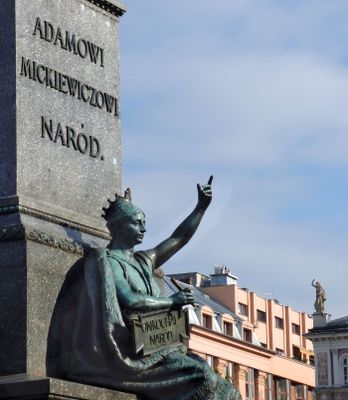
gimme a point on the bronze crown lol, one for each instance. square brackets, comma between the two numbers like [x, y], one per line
[114, 205]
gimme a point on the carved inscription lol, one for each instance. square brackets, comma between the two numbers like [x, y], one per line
[69, 41]
[67, 85]
[158, 329]
[69, 137]
[153, 331]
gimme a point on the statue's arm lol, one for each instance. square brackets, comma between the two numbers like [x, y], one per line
[141, 302]
[184, 232]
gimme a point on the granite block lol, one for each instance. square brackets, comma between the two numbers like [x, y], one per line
[30, 387]
[13, 282]
[60, 122]
[35, 256]
[60, 159]
[7, 98]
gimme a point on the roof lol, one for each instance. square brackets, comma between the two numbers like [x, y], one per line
[201, 298]
[339, 322]
[336, 326]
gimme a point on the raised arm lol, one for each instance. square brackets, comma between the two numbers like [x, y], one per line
[184, 232]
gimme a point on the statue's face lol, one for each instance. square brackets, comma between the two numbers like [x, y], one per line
[132, 229]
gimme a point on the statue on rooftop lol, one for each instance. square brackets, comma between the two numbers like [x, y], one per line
[90, 339]
[320, 297]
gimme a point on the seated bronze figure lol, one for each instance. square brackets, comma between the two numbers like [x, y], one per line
[90, 338]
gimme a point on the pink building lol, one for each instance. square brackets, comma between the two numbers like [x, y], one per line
[257, 343]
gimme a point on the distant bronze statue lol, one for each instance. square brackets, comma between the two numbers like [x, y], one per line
[90, 338]
[320, 297]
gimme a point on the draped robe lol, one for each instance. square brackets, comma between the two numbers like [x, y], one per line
[90, 341]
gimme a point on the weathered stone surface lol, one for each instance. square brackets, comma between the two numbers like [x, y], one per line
[43, 172]
[7, 99]
[51, 189]
[22, 386]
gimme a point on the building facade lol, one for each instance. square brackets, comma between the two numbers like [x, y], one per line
[255, 342]
[330, 341]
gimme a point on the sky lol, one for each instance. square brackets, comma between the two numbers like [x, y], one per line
[255, 93]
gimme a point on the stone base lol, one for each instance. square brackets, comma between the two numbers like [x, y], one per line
[28, 387]
[320, 319]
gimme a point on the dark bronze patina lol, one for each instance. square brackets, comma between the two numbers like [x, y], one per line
[111, 302]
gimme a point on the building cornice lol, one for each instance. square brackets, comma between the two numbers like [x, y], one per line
[326, 337]
[228, 340]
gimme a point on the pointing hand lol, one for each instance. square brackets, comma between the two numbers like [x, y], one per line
[205, 194]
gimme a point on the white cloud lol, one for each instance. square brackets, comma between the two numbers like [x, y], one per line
[251, 109]
[257, 93]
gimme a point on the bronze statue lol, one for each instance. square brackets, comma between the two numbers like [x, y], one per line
[90, 337]
[320, 297]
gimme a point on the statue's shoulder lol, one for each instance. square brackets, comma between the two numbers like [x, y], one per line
[105, 261]
[96, 257]
[144, 258]
[96, 252]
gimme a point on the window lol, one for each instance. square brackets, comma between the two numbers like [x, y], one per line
[296, 353]
[311, 361]
[345, 371]
[207, 321]
[280, 352]
[210, 361]
[261, 316]
[243, 309]
[228, 328]
[295, 329]
[269, 388]
[247, 335]
[300, 392]
[281, 389]
[250, 385]
[229, 372]
[279, 322]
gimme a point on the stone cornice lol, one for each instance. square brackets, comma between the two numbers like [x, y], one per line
[113, 7]
[56, 242]
[18, 232]
[327, 337]
[14, 208]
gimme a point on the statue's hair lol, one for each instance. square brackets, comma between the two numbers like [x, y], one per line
[120, 208]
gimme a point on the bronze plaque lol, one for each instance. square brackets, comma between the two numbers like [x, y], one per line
[155, 330]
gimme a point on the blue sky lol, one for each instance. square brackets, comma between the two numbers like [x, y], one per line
[255, 93]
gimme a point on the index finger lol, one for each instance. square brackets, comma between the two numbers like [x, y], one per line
[210, 180]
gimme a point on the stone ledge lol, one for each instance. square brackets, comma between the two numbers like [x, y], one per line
[114, 7]
[29, 387]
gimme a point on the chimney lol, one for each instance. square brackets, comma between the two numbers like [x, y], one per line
[222, 276]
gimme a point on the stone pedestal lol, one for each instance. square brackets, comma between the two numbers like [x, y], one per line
[60, 159]
[320, 319]
[26, 387]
